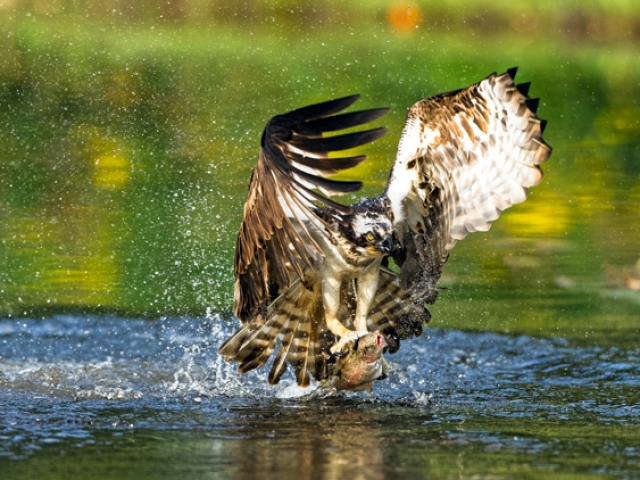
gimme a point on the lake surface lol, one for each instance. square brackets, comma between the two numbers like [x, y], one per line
[128, 137]
[110, 397]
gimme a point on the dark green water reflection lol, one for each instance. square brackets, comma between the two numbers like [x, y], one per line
[362, 441]
[367, 450]
[127, 148]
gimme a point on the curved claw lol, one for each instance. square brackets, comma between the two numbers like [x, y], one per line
[340, 354]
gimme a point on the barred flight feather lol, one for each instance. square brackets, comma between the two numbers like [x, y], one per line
[482, 147]
[282, 199]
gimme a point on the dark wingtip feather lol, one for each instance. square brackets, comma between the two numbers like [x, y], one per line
[339, 122]
[327, 201]
[336, 186]
[543, 125]
[523, 88]
[339, 142]
[532, 104]
[322, 109]
[329, 166]
[512, 72]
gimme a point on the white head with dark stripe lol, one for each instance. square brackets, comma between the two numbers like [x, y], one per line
[371, 230]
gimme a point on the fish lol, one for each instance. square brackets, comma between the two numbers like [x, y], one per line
[363, 364]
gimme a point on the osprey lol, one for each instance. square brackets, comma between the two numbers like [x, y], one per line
[316, 274]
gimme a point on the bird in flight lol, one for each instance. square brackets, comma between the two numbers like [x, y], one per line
[319, 275]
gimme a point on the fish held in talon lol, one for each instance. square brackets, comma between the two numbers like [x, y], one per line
[362, 365]
[315, 273]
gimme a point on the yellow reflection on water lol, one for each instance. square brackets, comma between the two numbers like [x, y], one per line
[111, 172]
[544, 218]
[64, 263]
[111, 167]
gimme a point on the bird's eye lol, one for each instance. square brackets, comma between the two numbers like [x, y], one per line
[370, 237]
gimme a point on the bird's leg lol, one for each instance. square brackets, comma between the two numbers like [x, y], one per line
[331, 301]
[366, 293]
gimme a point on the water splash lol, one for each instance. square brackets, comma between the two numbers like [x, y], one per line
[115, 358]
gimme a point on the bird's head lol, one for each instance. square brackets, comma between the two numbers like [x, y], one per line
[373, 232]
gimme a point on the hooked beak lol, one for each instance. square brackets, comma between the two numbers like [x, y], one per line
[385, 245]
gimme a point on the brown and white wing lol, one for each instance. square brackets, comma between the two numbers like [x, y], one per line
[463, 157]
[274, 240]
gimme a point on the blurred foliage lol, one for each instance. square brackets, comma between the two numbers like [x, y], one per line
[129, 131]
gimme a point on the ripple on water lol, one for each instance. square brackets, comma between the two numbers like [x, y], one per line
[63, 376]
[109, 357]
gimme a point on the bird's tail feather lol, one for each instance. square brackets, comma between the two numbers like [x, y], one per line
[297, 318]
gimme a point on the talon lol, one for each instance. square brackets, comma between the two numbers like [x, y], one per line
[352, 336]
[340, 349]
[340, 354]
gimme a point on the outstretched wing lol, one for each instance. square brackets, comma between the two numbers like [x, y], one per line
[463, 157]
[274, 240]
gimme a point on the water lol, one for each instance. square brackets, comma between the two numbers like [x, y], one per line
[123, 175]
[122, 398]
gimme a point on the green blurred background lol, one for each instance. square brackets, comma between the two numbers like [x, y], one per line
[128, 132]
